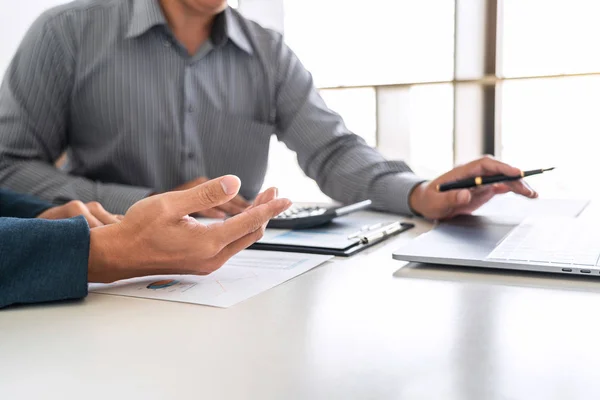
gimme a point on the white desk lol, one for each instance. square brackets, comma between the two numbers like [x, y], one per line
[351, 329]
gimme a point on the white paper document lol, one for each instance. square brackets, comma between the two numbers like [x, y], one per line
[520, 207]
[245, 275]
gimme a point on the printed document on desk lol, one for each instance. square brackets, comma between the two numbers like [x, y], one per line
[245, 275]
[520, 208]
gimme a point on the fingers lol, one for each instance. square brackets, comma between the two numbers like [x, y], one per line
[101, 214]
[484, 166]
[230, 208]
[490, 166]
[442, 205]
[266, 196]
[520, 187]
[501, 188]
[233, 248]
[478, 198]
[76, 208]
[203, 197]
[212, 213]
[92, 221]
[250, 221]
[533, 193]
[457, 198]
[240, 202]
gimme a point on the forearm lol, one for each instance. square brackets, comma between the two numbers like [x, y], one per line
[49, 183]
[43, 260]
[344, 166]
[348, 170]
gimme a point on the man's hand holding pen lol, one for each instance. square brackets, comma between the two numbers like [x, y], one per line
[428, 201]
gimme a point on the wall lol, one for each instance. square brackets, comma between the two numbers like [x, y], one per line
[15, 18]
[268, 13]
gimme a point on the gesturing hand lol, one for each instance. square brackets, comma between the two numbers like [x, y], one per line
[93, 212]
[232, 207]
[157, 236]
[427, 201]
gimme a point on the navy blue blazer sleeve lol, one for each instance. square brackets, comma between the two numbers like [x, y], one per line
[21, 205]
[42, 260]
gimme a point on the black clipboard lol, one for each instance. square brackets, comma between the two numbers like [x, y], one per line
[351, 249]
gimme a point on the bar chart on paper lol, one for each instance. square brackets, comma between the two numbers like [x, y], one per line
[243, 276]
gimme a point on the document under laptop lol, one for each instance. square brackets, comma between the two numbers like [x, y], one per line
[556, 244]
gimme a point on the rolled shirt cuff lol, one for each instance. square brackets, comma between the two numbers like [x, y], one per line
[391, 193]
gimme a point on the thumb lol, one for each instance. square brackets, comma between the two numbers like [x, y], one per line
[207, 195]
[457, 198]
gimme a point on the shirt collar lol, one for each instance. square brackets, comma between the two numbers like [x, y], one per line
[147, 14]
[234, 30]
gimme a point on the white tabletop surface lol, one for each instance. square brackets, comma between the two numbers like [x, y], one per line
[367, 327]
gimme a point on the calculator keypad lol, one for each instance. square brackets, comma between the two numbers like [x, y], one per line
[301, 212]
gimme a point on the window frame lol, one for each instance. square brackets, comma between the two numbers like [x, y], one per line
[477, 81]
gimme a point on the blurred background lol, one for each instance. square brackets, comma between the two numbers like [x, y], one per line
[436, 82]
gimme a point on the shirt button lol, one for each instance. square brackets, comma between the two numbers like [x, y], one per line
[190, 109]
[191, 156]
[166, 43]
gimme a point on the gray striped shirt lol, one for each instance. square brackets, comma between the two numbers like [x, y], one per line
[107, 81]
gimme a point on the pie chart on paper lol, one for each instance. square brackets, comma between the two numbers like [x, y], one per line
[162, 284]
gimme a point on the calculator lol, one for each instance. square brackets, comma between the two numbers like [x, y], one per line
[303, 217]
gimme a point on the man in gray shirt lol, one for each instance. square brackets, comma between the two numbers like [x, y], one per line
[148, 96]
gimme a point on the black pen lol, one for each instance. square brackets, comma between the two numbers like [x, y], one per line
[486, 180]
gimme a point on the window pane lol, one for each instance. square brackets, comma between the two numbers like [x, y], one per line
[549, 37]
[431, 129]
[554, 122]
[346, 43]
[285, 174]
[357, 108]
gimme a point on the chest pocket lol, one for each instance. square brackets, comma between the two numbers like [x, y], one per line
[236, 145]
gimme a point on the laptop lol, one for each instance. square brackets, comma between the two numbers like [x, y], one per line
[563, 245]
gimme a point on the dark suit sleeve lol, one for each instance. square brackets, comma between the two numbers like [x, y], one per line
[42, 260]
[20, 205]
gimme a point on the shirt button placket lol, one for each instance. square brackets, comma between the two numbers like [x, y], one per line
[192, 162]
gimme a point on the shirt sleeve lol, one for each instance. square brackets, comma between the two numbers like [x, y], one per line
[43, 260]
[34, 110]
[21, 206]
[342, 164]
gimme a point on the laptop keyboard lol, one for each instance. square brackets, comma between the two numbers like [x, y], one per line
[551, 241]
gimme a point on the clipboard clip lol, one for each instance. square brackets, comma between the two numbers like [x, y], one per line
[363, 230]
[385, 231]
